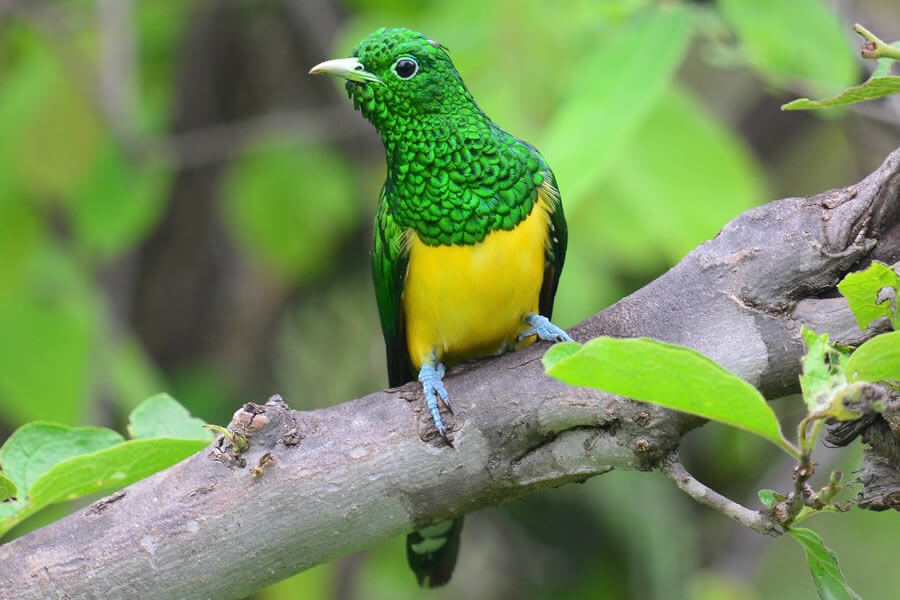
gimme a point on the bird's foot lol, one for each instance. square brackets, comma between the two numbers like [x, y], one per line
[541, 326]
[431, 377]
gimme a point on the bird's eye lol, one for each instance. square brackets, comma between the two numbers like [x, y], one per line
[406, 68]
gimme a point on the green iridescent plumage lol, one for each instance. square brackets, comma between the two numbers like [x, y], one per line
[453, 175]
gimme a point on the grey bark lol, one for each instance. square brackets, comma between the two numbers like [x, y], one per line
[317, 485]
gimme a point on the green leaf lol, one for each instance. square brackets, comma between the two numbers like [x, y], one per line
[162, 416]
[822, 373]
[863, 289]
[622, 74]
[559, 352]
[656, 208]
[61, 135]
[668, 375]
[116, 204]
[801, 41]
[291, 207]
[49, 326]
[876, 87]
[34, 448]
[161, 28]
[27, 85]
[49, 463]
[21, 234]
[7, 488]
[770, 497]
[876, 360]
[660, 203]
[823, 566]
[114, 467]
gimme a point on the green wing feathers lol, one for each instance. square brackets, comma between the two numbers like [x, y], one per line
[557, 240]
[389, 260]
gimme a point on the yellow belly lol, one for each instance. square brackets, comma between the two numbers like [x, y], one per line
[462, 302]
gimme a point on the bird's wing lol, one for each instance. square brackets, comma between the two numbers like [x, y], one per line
[390, 256]
[557, 239]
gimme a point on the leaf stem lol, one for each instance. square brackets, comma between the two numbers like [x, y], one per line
[790, 448]
[807, 440]
[875, 48]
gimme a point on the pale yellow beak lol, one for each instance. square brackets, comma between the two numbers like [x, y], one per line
[346, 68]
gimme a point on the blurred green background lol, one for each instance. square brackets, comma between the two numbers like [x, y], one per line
[183, 209]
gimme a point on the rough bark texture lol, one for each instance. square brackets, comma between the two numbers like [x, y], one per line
[317, 485]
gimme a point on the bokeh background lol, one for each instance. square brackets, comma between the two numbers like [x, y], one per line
[183, 209]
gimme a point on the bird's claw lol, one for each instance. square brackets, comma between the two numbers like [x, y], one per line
[433, 387]
[541, 326]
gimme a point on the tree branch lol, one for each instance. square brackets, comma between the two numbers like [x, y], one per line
[320, 484]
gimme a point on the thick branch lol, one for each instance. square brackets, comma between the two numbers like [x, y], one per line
[343, 478]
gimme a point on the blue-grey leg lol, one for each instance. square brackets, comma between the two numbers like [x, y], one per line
[431, 375]
[541, 326]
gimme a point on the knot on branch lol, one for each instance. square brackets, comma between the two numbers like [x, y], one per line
[260, 426]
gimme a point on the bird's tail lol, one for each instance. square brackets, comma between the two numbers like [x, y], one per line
[432, 552]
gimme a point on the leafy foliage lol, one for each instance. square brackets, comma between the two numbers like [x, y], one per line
[823, 373]
[48, 318]
[818, 53]
[8, 489]
[292, 219]
[116, 203]
[823, 566]
[873, 88]
[162, 416]
[49, 462]
[683, 379]
[769, 498]
[878, 85]
[876, 360]
[668, 375]
[833, 382]
[867, 293]
[643, 56]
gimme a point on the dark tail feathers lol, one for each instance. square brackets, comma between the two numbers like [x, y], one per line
[432, 552]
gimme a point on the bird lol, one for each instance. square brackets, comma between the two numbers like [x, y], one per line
[470, 236]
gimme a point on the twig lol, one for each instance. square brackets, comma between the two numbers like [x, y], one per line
[875, 48]
[752, 519]
[797, 499]
[804, 470]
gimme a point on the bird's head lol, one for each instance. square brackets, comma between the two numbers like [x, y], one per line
[398, 74]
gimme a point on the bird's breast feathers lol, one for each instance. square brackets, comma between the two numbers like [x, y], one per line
[465, 301]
